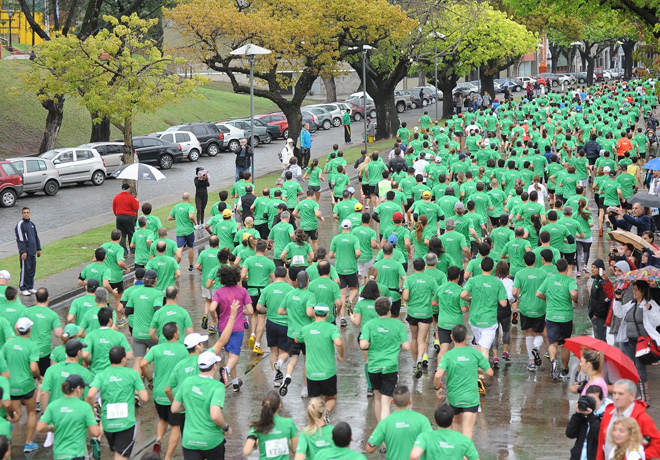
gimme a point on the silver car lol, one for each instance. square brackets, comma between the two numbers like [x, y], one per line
[335, 111]
[190, 146]
[325, 118]
[77, 165]
[39, 175]
[232, 137]
[111, 152]
[260, 133]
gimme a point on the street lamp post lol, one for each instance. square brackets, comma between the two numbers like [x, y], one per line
[251, 51]
[10, 15]
[365, 48]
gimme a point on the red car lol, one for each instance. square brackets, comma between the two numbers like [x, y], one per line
[541, 80]
[11, 184]
[277, 119]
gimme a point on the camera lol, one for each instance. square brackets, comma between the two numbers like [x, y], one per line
[585, 403]
[618, 291]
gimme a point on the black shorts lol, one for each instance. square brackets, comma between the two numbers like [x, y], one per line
[535, 324]
[295, 348]
[559, 197]
[600, 202]
[460, 410]
[118, 286]
[365, 189]
[22, 397]
[592, 160]
[408, 204]
[641, 155]
[165, 414]
[569, 256]
[44, 364]
[276, 336]
[461, 134]
[415, 321]
[504, 137]
[217, 453]
[327, 387]
[313, 234]
[396, 308]
[474, 247]
[122, 442]
[559, 332]
[444, 335]
[350, 281]
[293, 272]
[384, 383]
[314, 188]
[278, 263]
[494, 221]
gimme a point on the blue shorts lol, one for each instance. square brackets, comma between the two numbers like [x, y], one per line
[187, 240]
[235, 341]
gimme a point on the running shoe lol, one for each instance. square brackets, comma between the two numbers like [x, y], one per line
[514, 318]
[496, 363]
[343, 322]
[205, 322]
[506, 356]
[554, 370]
[257, 350]
[482, 386]
[585, 268]
[436, 346]
[279, 376]
[303, 392]
[122, 322]
[213, 329]
[236, 387]
[284, 387]
[425, 360]
[531, 367]
[370, 392]
[349, 307]
[190, 268]
[578, 274]
[537, 357]
[417, 370]
[326, 418]
[26, 292]
[564, 375]
[32, 291]
[547, 355]
[157, 447]
[38, 406]
[251, 341]
[96, 448]
[30, 448]
[224, 375]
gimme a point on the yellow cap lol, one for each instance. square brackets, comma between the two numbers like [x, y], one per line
[426, 194]
[357, 207]
[226, 213]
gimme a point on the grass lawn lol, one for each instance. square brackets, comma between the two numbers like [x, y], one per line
[79, 249]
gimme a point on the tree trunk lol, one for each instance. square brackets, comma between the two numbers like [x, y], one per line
[330, 88]
[446, 85]
[584, 62]
[554, 50]
[591, 64]
[54, 119]
[100, 131]
[294, 117]
[386, 114]
[628, 48]
[129, 152]
[421, 78]
[488, 84]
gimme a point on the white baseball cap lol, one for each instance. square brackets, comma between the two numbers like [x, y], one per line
[607, 169]
[346, 223]
[194, 339]
[438, 159]
[5, 275]
[289, 140]
[23, 324]
[208, 359]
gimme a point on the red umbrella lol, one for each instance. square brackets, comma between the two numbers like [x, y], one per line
[613, 355]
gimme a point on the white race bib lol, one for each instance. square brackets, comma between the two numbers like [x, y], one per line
[117, 410]
[277, 447]
[298, 260]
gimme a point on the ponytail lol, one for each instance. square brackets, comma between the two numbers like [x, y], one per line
[269, 407]
[420, 225]
[582, 212]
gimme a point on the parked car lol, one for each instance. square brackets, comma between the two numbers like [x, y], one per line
[358, 107]
[334, 110]
[154, 151]
[431, 91]
[313, 120]
[566, 78]
[427, 95]
[400, 101]
[581, 77]
[111, 152]
[415, 100]
[39, 175]
[324, 117]
[231, 137]
[274, 132]
[190, 145]
[77, 165]
[466, 88]
[276, 119]
[260, 133]
[616, 72]
[551, 78]
[526, 80]
[541, 80]
[206, 133]
[514, 84]
[11, 184]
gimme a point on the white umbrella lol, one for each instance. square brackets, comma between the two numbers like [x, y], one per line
[138, 171]
[249, 49]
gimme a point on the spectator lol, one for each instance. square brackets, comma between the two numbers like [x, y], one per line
[584, 425]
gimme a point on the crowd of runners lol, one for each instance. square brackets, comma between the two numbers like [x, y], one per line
[466, 228]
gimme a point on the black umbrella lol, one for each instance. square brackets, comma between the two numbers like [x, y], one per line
[648, 201]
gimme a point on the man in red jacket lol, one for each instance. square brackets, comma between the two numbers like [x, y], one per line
[623, 394]
[125, 206]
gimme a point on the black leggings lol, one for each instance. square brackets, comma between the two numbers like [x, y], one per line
[200, 204]
[582, 253]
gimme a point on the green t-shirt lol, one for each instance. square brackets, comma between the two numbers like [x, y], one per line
[385, 336]
[326, 292]
[45, 321]
[365, 236]
[374, 170]
[208, 259]
[170, 247]
[18, 354]
[296, 303]
[515, 250]
[261, 209]
[139, 239]
[315, 177]
[56, 375]
[80, 306]
[272, 297]
[226, 231]
[307, 210]
[558, 233]
[259, 269]
[117, 386]
[390, 272]
[627, 182]
[165, 357]
[338, 453]
[90, 321]
[198, 393]
[169, 314]
[297, 254]
[454, 242]
[365, 308]
[556, 255]
[313, 272]
[95, 270]
[145, 302]
[461, 365]
[113, 253]
[398, 431]
[71, 417]
[281, 236]
[559, 305]
[11, 311]
[344, 246]
[311, 443]
[487, 291]
[166, 268]
[275, 444]
[421, 288]
[153, 224]
[449, 301]
[290, 190]
[609, 191]
[99, 343]
[6, 331]
[181, 213]
[319, 340]
[528, 280]
[446, 444]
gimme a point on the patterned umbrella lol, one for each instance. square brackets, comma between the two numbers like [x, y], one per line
[648, 274]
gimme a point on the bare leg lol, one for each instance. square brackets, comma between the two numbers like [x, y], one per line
[191, 256]
[161, 428]
[330, 403]
[175, 436]
[422, 339]
[31, 409]
[469, 419]
[413, 342]
[385, 402]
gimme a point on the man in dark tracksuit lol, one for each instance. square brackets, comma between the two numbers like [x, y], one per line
[29, 248]
[600, 299]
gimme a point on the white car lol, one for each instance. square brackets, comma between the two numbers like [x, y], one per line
[565, 78]
[526, 80]
[190, 146]
[232, 137]
[78, 165]
[111, 152]
[335, 111]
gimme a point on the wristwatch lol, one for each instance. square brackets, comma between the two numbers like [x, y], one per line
[226, 427]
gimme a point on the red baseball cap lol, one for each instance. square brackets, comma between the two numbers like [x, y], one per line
[397, 217]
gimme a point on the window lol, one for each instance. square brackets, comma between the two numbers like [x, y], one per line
[113, 149]
[150, 143]
[182, 137]
[84, 155]
[167, 137]
[19, 166]
[137, 143]
[32, 166]
[199, 130]
[9, 169]
[66, 157]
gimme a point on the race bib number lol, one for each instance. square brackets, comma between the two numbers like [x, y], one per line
[277, 448]
[117, 410]
[298, 260]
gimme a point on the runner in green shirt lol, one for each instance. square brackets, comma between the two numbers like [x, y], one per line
[224, 226]
[170, 312]
[274, 436]
[12, 308]
[326, 290]
[455, 243]
[80, 305]
[96, 269]
[46, 323]
[345, 249]
[143, 304]
[166, 268]
[141, 242]
[444, 442]
[341, 437]
[101, 341]
[514, 251]
[450, 306]
[317, 435]
[51, 386]
[281, 234]
[309, 212]
[114, 262]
